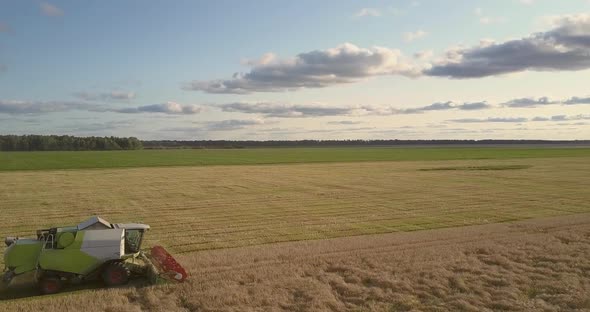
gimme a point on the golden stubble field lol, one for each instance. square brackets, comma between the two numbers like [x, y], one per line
[198, 208]
[534, 265]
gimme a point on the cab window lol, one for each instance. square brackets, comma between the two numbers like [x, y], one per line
[133, 240]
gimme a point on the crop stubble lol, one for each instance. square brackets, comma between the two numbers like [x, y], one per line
[535, 265]
[198, 208]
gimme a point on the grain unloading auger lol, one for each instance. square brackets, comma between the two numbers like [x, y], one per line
[94, 249]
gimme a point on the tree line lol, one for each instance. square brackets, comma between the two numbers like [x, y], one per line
[66, 143]
[166, 144]
[73, 143]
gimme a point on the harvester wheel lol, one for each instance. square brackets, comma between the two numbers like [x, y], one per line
[50, 285]
[115, 274]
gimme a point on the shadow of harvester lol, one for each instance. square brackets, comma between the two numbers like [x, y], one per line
[23, 286]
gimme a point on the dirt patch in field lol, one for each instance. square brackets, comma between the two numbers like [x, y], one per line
[536, 265]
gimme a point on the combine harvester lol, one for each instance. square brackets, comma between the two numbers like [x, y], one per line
[94, 249]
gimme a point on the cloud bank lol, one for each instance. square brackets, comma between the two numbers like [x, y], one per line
[266, 109]
[490, 119]
[270, 109]
[233, 124]
[13, 107]
[566, 47]
[447, 106]
[577, 100]
[38, 107]
[286, 110]
[529, 102]
[522, 119]
[164, 108]
[221, 125]
[106, 96]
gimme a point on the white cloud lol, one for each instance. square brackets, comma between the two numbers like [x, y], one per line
[265, 59]
[233, 124]
[490, 119]
[106, 96]
[20, 107]
[269, 109]
[529, 102]
[216, 126]
[345, 122]
[17, 107]
[554, 118]
[364, 12]
[411, 36]
[577, 100]
[164, 108]
[424, 55]
[563, 118]
[563, 48]
[345, 63]
[527, 2]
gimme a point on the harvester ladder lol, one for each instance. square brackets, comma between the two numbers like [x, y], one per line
[47, 238]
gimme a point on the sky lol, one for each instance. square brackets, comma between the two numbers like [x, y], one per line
[270, 70]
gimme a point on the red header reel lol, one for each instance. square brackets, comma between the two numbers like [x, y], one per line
[168, 266]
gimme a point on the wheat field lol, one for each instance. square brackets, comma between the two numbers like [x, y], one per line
[198, 208]
[197, 212]
[534, 265]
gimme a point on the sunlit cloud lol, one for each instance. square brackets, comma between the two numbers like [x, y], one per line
[563, 48]
[364, 12]
[346, 63]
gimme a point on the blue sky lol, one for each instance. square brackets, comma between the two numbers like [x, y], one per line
[296, 69]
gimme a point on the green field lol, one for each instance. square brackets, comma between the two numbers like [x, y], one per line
[201, 157]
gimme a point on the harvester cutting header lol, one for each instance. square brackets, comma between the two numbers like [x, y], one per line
[94, 249]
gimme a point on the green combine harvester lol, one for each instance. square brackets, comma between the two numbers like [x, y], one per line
[94, 249]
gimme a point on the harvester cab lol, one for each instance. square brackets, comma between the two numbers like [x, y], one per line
[94, 249]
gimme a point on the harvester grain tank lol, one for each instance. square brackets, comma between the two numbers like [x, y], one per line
[94, 249]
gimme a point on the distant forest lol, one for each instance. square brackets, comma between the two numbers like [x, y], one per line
[72, 143]
[334, 143]
[66, 143]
